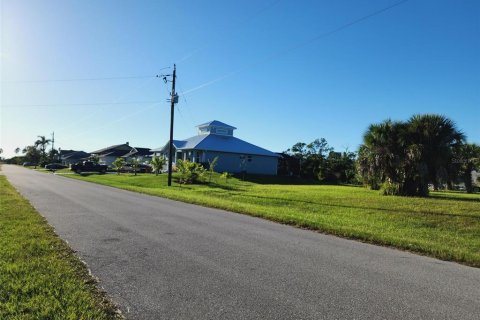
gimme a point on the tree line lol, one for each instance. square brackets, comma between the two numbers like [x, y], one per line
[36, 153]
[397, 157]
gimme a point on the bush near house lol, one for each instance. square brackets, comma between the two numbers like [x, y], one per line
[190, 172]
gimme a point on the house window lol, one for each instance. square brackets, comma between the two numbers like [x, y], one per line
[221, 131]
[249, 158]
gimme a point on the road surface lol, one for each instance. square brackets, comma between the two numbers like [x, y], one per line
[162, 259]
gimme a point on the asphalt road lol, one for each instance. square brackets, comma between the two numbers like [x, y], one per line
[162, 259]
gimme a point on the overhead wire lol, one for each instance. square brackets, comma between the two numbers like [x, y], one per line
[297, 46]
[82, 79]
[74, 104]
[224, 35]
[92, 114]
[119, 119]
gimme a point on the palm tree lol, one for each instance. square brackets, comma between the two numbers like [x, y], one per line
[438, 137]
[409, 155]
[383, 151]
[42, 142]
[157, 164]
[468, 157]
[17, 150]
[118, 164]
[134, 163]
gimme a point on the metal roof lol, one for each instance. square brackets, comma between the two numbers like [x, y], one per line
[123, 147]
[216, 123]
[220, 143]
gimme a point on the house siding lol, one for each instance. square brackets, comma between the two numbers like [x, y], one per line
[230, 162]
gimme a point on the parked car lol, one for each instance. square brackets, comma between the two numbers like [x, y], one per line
[55, 166]
[88, 166]
[141, 168]
[28, 164]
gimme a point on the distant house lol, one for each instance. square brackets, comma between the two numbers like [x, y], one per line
[68, 157]
[109, 154]
[215, 139]
[141, 154]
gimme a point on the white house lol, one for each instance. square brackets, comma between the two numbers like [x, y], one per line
[215, 139]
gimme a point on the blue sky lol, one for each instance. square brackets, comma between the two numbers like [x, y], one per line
[252, 64]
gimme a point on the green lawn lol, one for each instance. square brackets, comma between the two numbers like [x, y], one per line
[40, 277]
[445, 225]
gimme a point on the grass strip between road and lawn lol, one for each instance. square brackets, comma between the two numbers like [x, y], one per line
[445, 225]
[40, 277]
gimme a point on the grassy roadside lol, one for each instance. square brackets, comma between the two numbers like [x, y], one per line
[445, 225]
[40, 277]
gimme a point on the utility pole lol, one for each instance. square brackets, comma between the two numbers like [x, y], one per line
[172, 110]
[53, 146]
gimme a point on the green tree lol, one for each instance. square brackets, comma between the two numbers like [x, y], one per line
[406, 156]
[438, 137]
[311, 158]
[118, 164]
[42, 144]
[157, 164]
[468, 158]
[32, 154]
[134, 163]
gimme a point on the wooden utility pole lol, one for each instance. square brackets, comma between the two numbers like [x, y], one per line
[172, 109]
[53, 146]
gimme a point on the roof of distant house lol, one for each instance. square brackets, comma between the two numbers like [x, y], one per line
[124, 147]
[76, 155]
[64, 152]
[138, 152]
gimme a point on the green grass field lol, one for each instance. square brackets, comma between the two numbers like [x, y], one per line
[445, 225]
[40, 277]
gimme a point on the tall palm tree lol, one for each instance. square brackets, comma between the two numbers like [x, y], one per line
[42, 142]
[438, 136]
[386, 143]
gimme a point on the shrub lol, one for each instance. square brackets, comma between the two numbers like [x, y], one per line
[390, 188]
[190, 172]
[226, 176]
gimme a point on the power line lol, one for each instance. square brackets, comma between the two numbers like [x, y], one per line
[298, 45]
[76, 79]
[224, 35]
[81, 79]
[120, 98]
[74, 104]
[119, 119]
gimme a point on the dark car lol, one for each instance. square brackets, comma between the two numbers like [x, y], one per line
[28, 164]
[88, 166]
[55, 166]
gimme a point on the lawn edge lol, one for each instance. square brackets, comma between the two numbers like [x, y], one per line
[79, 266]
